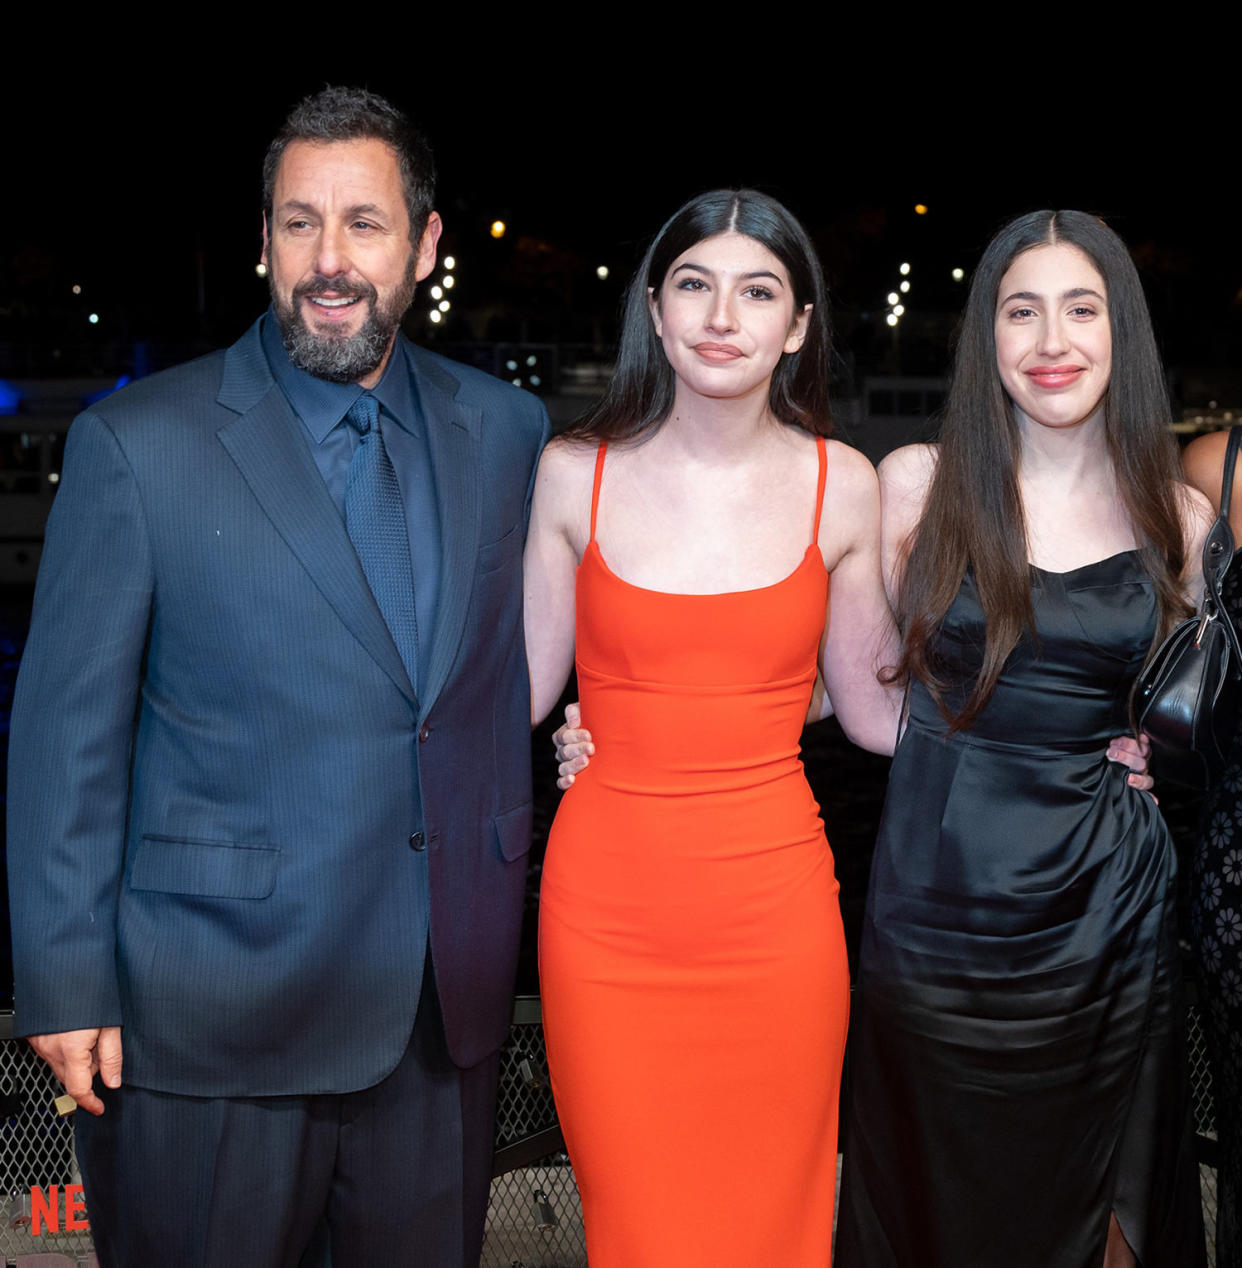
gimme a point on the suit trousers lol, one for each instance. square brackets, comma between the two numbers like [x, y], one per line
[398, 1173]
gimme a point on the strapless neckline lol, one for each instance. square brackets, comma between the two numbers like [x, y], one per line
[1095, 563]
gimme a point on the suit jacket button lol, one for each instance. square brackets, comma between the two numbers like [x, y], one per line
[416, 841]
[424, 733]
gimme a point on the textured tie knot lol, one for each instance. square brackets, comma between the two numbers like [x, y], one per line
[363, 414]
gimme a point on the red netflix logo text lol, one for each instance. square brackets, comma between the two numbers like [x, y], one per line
[45, 1209]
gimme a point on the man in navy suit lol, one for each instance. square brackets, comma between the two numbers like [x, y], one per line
[269, 808]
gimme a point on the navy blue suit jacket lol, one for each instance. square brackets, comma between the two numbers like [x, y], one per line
[218, 761]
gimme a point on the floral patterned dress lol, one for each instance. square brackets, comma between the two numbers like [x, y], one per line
[1216, 931]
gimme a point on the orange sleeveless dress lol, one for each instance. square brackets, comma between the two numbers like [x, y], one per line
[693, 969]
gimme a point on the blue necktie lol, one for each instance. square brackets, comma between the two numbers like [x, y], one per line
[375, 521]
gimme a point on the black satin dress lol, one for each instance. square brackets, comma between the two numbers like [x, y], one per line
[1018, 1064]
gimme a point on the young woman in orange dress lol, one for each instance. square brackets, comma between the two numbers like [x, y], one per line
[684, 540]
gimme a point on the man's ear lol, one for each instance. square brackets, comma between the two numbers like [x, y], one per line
[427, 246]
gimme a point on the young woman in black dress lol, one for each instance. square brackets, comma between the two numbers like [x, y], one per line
[1019, 1071]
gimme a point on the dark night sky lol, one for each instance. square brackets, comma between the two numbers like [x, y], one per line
[150, 183]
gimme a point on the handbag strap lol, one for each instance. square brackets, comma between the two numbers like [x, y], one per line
[1231, 458]
[1218, 548]
[1218, 545]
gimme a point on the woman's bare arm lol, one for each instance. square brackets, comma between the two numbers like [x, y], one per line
[558, 528]
[860, 638]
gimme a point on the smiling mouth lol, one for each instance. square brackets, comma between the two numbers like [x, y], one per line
[1051, 376]
[333, 312]
[333, 297]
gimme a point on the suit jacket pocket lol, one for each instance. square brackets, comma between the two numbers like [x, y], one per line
[211, 869]
[497, 554]
[513, 832]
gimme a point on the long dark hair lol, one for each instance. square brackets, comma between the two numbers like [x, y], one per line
[640, 395]
[974, 518]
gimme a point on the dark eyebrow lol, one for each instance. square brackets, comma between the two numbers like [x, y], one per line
[1078, 292]
[292, 204]
[358, 209]
[746, 277]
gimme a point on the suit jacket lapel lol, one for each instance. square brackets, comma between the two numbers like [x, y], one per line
[453, 445]
[277, 465]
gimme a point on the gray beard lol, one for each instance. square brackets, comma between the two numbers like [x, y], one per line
[341, 358]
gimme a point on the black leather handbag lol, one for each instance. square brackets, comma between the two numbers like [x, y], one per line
[1187, 697]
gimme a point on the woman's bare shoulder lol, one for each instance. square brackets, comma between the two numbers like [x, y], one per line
[1197, 514]
[848, 469]
[905, 481]
[846, 458]
[563, 490]
[907, 472]
[566, 458]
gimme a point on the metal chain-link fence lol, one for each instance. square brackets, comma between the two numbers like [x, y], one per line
[1205, 1123]
[534, 1218]
[524, 1108]
[36, 1149]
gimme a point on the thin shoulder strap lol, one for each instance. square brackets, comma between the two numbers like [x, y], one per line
[1218, 548]
[1231, 458]
[599, 475]
[1218, 545]
[819, 491]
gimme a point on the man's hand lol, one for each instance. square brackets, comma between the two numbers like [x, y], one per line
[75, 1056]
[573, 747]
